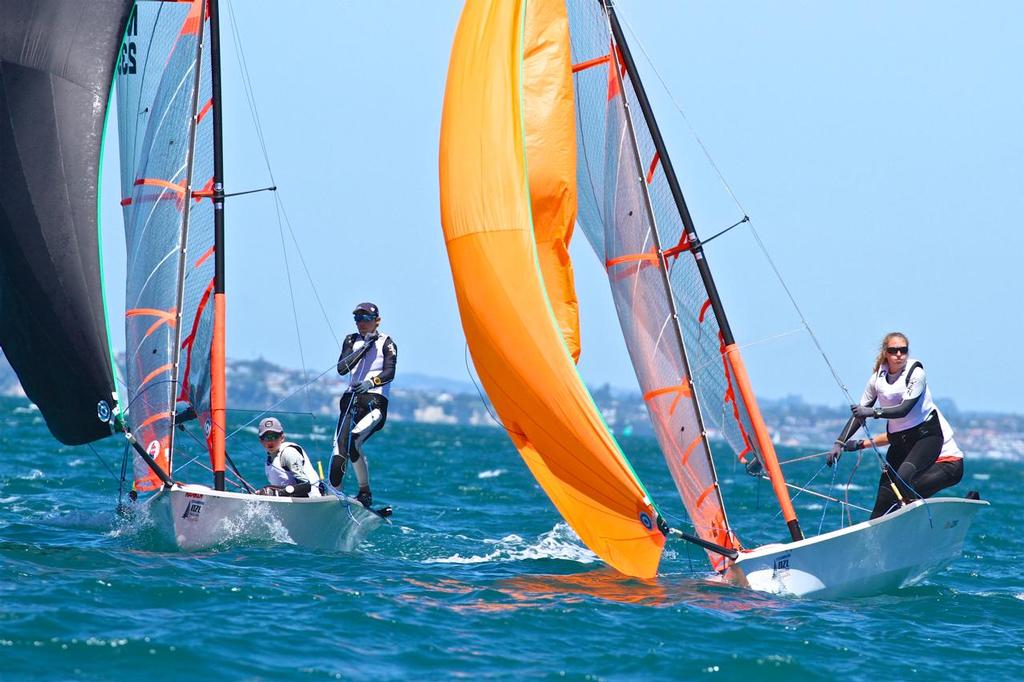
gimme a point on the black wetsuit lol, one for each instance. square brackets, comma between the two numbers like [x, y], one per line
[357, 419]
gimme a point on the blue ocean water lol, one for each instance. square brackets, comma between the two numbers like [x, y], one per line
[477, 577]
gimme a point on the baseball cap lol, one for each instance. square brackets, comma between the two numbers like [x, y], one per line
[367, 307]
[270, 425]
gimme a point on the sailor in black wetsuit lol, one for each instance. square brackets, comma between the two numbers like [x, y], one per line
[915, 427]
[369, 358]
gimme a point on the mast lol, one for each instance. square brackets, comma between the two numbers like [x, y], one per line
[218, 380]
[732, 353]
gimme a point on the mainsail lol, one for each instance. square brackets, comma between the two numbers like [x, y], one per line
[492, 194]
[635, 218]
[57, 60]
[166, 134]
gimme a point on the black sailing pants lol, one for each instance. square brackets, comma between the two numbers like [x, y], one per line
[354, 408]
[912, 454]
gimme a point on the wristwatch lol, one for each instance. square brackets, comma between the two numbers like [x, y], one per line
[878, 413]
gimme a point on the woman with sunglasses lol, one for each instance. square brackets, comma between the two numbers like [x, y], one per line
[369, 358]
[915, 429]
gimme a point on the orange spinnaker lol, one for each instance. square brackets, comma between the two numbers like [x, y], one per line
[489, 205]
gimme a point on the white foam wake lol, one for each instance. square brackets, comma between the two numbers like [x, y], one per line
[558, 543]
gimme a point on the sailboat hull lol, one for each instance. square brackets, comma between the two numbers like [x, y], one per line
[194, 517]
[894, 551]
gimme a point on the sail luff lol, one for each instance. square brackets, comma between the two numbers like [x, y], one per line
[218, 378]
[670, 299]
[731, 350]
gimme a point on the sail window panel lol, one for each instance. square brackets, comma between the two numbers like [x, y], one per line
[614, 217]
[194, 375]
[152, 31]
[154, 224]
[723, 411]
[645, 317]
[590, 41]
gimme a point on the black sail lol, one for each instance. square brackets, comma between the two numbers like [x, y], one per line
[57, 59]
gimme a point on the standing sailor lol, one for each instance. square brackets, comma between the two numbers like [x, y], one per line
[288, 468]
[369, 358]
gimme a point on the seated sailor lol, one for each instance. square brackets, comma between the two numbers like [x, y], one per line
[288, 468]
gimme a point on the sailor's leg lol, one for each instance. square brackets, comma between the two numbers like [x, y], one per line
[921, 457]
[939, 476]
[886, 498]
[340, 456]
[373, 414]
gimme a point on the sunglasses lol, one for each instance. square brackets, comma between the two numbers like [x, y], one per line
[365, 318]
[893, 350]
[270, 436]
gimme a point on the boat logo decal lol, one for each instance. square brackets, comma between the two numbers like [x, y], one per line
[781, 563]
[952, 524]
[194, 508]
[646, 520]
[207, 427]
[154, 449]
[103, 411]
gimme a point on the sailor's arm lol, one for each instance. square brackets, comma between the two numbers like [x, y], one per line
[349, 358]
[867, 399]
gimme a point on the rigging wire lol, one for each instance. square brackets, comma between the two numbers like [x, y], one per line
[108, 467]
[480, 393]
[743, 211]
[282, 213]
[268, 409]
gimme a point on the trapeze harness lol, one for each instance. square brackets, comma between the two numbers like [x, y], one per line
[918, 435]
[362, 414]
[281, 470]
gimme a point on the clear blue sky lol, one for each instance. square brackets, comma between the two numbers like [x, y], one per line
[877, 147]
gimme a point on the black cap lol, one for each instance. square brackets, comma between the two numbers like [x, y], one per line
[367, 307]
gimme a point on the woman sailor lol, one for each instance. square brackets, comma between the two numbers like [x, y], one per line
[288, 468]
[915, 428]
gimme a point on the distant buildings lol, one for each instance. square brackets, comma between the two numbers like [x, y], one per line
[260, 385]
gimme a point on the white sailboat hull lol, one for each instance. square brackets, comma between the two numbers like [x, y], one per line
[195, 517]
[894, 551]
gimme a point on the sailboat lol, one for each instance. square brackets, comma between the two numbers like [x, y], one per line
[59, 60]
[546, 125]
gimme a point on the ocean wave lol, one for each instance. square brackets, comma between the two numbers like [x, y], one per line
[558, 543]
[491, 473]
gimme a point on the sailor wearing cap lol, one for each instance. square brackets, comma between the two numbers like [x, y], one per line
[288, 468]
[369, 358]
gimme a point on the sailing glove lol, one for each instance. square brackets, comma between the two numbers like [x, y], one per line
[853, 445]
[862, 412]
[835, 453]
[363, 386]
